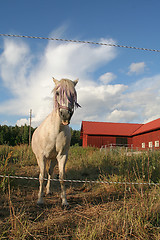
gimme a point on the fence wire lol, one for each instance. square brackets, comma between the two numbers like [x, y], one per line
[82, 181]
[79, 41]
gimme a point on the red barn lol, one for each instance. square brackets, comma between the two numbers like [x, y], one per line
[140, 136]
[148, 135]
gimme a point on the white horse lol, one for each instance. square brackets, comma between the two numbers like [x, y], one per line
[51, 140]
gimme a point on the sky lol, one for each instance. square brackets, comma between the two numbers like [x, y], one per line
[115, 84]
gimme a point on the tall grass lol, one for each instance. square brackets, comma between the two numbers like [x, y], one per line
[91, 163]
[98, 211]
[19, 155]
[13, 158]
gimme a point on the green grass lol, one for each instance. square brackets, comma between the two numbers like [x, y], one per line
[98, 211]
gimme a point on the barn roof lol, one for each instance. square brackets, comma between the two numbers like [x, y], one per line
[108, 128]
[147, 127]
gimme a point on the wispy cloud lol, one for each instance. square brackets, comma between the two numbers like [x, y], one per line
[137, 68]
[107, 77]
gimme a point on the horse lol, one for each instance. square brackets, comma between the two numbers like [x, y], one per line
[51, 140]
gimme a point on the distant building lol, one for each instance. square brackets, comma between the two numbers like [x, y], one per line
[141, 136]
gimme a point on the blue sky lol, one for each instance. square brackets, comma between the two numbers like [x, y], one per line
[115, 84]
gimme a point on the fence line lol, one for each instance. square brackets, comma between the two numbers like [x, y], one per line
[79, 41]
[81, 181]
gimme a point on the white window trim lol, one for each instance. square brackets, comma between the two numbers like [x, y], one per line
[143, 145]
[150, 144]
[156, 143]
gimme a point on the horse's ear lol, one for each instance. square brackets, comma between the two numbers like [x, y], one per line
[55, 81]
[76, 81]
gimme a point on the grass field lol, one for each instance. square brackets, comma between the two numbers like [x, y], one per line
[97, 211]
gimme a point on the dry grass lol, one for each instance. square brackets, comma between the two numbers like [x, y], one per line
[96, 211]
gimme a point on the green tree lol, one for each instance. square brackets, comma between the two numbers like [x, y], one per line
[14, 135]
[75, 138]
[25, 137]
[1, 136]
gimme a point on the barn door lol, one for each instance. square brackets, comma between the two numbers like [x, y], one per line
[121, 141]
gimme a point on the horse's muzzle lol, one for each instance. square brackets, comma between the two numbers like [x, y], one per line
[65, 115]
[65, 123]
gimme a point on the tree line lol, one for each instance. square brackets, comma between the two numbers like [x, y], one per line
[14, 135]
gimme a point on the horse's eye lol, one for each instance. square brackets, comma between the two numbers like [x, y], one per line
[57, 93]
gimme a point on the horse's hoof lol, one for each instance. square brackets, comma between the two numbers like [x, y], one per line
[49, 193]
[66, 207]
[40, 203]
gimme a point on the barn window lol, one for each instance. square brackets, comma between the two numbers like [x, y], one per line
[143, 145]
[150, 145]
[156, 143]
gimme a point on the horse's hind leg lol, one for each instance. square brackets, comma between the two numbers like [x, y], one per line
[41, 181]
[50, 174]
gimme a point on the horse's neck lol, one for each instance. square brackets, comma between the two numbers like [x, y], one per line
[56, 120]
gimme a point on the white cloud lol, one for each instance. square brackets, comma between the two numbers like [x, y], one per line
[14, 53]
[97, 101]
[143, 98]
[107, 77]
[121, 116]
[22, 121]
[29, 78]
[137, 68]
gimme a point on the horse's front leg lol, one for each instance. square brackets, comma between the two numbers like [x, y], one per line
[50, 174]
[42, 167]
[62, 159]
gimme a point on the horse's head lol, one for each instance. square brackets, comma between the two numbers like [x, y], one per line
[65, 97]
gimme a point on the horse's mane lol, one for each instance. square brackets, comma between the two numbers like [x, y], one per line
[66, 90]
